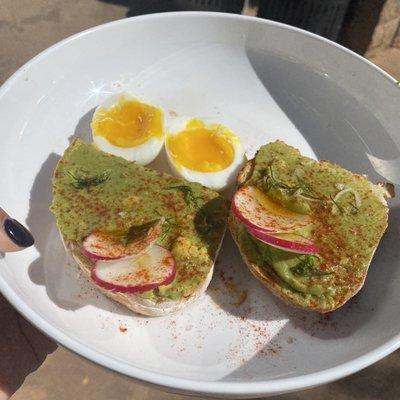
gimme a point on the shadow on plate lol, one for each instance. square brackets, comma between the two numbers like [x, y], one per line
[337, 126]
[160, 163]
[233, 287]
[83, 130]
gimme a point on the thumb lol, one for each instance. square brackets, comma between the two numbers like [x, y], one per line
[13, 235]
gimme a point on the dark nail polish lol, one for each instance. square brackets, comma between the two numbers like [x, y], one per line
[18, 233]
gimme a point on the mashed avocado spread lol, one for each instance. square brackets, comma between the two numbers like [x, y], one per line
[96, 190]
[348, 218]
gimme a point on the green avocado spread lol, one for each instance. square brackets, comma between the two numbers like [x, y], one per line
[95, 190]
[348, 217]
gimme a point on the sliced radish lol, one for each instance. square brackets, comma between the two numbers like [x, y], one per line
[138, 274]
[100, 245]
[286, 241]
[256, 210]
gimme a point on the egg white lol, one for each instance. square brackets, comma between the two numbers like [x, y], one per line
[218, 180]
[143, 153]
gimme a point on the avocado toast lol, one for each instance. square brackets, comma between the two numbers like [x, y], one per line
[98, 195]
[307, 230]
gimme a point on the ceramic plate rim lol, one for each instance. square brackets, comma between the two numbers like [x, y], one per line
[274, 386]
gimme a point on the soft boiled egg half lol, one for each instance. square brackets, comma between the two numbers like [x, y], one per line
[129, 128]
[210, 154]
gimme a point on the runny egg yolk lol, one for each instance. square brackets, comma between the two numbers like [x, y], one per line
[202, 148]
[128, 123]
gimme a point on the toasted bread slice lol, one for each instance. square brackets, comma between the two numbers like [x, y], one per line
[340, 269]
[94, 191]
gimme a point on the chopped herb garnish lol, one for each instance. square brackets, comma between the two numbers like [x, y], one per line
[307, 267]
[337, 205]
[127, 236]
[351, 209]
[306, 190]
[138, 231]
[188, 195]
[84, 181]
[168, 226]
[398, 83]
[300, 189]
[303, 189]
[271, 182]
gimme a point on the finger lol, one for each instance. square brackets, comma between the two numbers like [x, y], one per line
[13, 235]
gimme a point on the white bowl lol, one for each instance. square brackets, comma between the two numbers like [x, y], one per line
[264, 80]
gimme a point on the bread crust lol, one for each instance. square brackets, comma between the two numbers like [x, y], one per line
[268, 279]
[245, 172]
[132, 301]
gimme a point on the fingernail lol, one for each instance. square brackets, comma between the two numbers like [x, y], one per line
[18, 233]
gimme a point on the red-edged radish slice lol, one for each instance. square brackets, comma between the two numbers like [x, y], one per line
[100, 245]
[286, 241]
[138, 274]
[256, 210]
